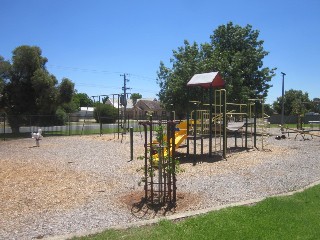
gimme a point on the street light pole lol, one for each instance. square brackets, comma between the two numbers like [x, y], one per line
[282, 104]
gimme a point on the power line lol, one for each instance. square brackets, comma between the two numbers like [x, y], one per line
[77, 69]
[83, 69]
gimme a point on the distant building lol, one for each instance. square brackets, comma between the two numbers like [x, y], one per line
[84, 113]
[141, 109]
[145, 107]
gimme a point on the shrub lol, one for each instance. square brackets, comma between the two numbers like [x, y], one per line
[105, 112]
[61, 117]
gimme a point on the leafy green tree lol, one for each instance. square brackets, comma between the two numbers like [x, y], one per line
[66, 90]
[296, 102]
[65, 97]
[105, 113]
[82, 100]
[135, 97]
[173, 81]
[238, 55]
[29, 89]
[235, 51]
[4, 73]
[316, 105]
[268, 109]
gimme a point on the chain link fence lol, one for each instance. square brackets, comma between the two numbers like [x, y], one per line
[73, 125]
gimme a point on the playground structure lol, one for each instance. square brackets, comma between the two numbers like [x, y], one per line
[213, 121]
[119, 101]
[218, 118]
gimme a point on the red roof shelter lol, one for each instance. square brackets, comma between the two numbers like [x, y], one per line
[207, 80]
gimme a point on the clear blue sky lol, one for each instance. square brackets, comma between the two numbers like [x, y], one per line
[93, 42]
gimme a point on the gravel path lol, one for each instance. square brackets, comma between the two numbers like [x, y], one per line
[74, 184]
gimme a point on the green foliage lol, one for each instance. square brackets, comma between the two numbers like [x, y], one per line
[83, 99]
[296, 102]
[268, 109]
[61, 116]
[135, 97]
[4, 73]
[105, 113]
[66, 90]
[29, 89]
[234, 51]
[316, 105]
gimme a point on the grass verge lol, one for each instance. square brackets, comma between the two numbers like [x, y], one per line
[290, 217]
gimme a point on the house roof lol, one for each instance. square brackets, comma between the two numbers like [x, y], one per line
[207, 80]
[148, 105]
[152, 104]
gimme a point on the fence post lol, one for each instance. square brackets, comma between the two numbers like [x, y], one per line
[131, 144]
[69, 124]
[4, 126]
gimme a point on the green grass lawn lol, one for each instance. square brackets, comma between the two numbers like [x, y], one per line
[292, 217]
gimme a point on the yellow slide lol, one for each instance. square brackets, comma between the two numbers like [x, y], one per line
[180, 136]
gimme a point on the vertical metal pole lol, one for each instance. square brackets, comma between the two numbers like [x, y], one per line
[131, 144]
[188, 129]
[224, 123]
[118, 115]
[145, 161]
[168, 173]
[113, 115]
[210, 121]
[174, 162]
[100, 117]
[282, 103]
[69, 125]
[246, 133]
[255, 125]
[4, 127]
[151, 160]
[194, 133]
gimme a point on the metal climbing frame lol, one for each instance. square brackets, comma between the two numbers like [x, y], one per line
[159, 162]
[258, 121]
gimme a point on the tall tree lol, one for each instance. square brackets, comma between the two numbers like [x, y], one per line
[29, 89]
[235, 51]
[295, 102]
[238, 55]
[173, 81]
[65, 96]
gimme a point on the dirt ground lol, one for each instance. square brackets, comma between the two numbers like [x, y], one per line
[42, 180]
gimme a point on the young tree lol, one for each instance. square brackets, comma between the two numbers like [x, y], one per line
[234, 51]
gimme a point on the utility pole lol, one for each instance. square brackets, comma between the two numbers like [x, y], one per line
[282, 104]
[124, 98]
